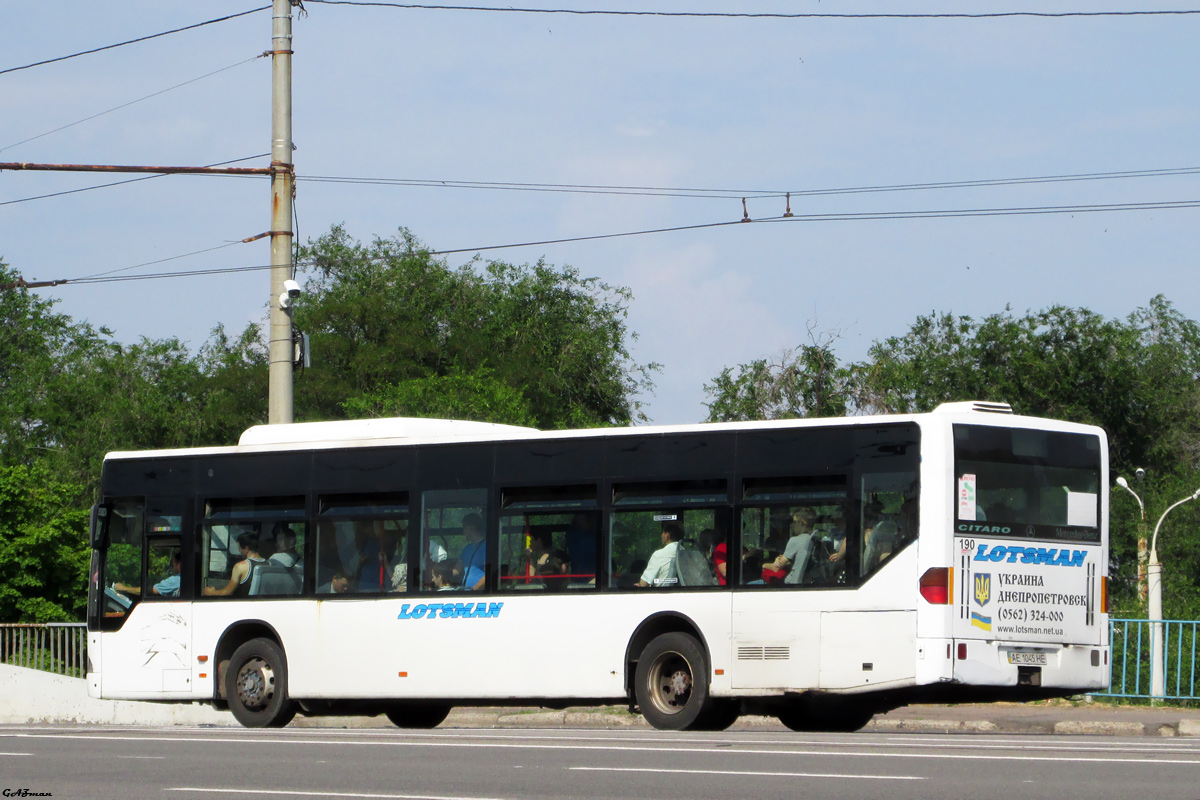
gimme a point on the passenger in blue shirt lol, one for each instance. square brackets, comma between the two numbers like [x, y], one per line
[167, 587]
[474, 553]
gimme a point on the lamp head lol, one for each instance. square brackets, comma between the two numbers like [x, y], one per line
[1124, 484]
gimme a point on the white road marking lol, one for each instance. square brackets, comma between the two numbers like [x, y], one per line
[16, 754]
[747, 773]
[309, 793]
[865, 741]
[658, 748]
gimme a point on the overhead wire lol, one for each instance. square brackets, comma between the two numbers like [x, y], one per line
[91, 278]
[111, 276]
[727, 194]
[131, 102]
[179, 274]
[133, 41]
[757, 15]
[854, 217]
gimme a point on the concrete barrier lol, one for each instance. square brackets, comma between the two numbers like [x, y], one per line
[30, 695]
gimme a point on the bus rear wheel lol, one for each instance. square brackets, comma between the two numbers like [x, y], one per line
[720, 716]
[670, 683]
[417, 715]
[256, 685]
[827, 715]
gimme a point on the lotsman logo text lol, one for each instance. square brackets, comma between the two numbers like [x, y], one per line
[450, 610]
[1031, 555]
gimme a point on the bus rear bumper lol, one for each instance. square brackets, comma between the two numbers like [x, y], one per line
[1047, 666]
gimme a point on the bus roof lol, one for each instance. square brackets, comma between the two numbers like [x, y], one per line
[413, 430]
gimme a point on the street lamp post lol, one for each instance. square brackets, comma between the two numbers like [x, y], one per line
[1142, 552]
[1157, 683]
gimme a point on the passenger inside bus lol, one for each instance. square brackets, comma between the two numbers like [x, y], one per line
[474, 553]
[794, 560]
[167, 587]
[752, 566]
[442, 576]
[328, 558]
[836, 537]
[339, 583]
[285, 554]
[548, 563]
[879, 539]
[374, 558]
[581, 548]
[662, 568]
[718, 555]
[243, 571]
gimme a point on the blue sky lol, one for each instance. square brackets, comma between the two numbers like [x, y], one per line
[745, 105]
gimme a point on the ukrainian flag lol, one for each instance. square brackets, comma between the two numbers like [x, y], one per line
[980, 621]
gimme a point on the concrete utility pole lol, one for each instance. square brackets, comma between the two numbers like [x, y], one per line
[279, 403]
[1157, 642]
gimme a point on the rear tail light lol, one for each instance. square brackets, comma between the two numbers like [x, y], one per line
[1104, 595]
[936, 586]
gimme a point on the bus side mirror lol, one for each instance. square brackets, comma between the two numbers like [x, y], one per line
[99, 521]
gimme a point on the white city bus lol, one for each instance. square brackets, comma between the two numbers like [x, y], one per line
[818, 570]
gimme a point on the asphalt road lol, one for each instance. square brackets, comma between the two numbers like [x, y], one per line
[463, 764]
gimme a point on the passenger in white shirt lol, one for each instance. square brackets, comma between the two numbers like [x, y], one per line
[662, 569]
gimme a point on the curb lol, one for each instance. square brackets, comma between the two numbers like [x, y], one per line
[619, 718]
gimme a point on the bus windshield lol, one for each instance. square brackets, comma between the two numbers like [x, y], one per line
[1033, 484]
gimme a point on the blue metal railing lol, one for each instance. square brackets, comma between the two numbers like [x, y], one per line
[1129, 674]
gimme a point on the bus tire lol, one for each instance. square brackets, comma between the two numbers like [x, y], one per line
[720, 716]
[256, 685]
[670, 683]
[828, 715]
[417, 715]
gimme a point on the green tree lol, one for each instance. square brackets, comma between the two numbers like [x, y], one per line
[44, 553]
[477, 396]
[33, 342]
[153, 394]
[388, 313]
[1136, 378]
[805, 381]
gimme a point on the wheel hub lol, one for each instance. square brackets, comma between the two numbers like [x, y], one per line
[671, 679]
[255, 683]
[680, 683]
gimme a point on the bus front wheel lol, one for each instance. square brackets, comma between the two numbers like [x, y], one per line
[671, 682]
[256, 685]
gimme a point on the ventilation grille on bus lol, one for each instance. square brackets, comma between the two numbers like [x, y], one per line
[764, 653]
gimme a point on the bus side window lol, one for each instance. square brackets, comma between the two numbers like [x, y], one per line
[888, 518]
[548, 537]
[453, 530]
[794, 531]
[123, 558]
[663, 533]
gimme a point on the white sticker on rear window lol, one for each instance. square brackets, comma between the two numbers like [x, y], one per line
[1081, 509]
[966, 497]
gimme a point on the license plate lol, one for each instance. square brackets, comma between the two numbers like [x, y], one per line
[1027, 658]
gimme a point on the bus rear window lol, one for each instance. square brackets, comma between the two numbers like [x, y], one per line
[1027, 484]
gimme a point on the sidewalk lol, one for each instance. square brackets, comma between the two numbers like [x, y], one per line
[1047, 718]
[28, 696]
